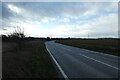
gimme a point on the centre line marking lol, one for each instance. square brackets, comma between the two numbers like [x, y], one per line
[100, 62]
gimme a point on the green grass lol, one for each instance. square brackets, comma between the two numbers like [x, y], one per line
[41, 64]
[108, 46]
[33, 61]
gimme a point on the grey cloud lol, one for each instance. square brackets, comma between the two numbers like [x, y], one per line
[6, 13]
[36, 11]
[0, 10]
[52, 9]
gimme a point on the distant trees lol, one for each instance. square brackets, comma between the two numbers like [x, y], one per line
[4, 36]
[48, 38]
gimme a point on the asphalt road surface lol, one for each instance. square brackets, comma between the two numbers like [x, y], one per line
[80, 63]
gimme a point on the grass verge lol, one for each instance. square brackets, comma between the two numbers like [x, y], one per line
[105, 46]
[33, 61]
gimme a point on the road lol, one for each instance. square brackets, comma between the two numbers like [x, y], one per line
[80, 63]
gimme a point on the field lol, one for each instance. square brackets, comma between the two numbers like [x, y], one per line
[109, 46]
[32, 61]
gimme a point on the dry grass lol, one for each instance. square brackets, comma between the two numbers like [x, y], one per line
[106, 45]
[32, 61]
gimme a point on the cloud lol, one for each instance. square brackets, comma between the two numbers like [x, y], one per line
[99, 27]
[62, 19]
[14, 8]
[44, 20]
[66, 20]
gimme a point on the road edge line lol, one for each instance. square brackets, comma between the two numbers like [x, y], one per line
[62, 72]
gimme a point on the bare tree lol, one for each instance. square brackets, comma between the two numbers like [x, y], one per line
[18, 35]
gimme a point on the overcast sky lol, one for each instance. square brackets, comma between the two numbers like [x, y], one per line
[61, 19]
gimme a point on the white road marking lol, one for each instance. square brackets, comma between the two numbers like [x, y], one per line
[100, 62]
[62, 72]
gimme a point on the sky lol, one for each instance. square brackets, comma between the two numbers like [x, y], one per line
[61, 19]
